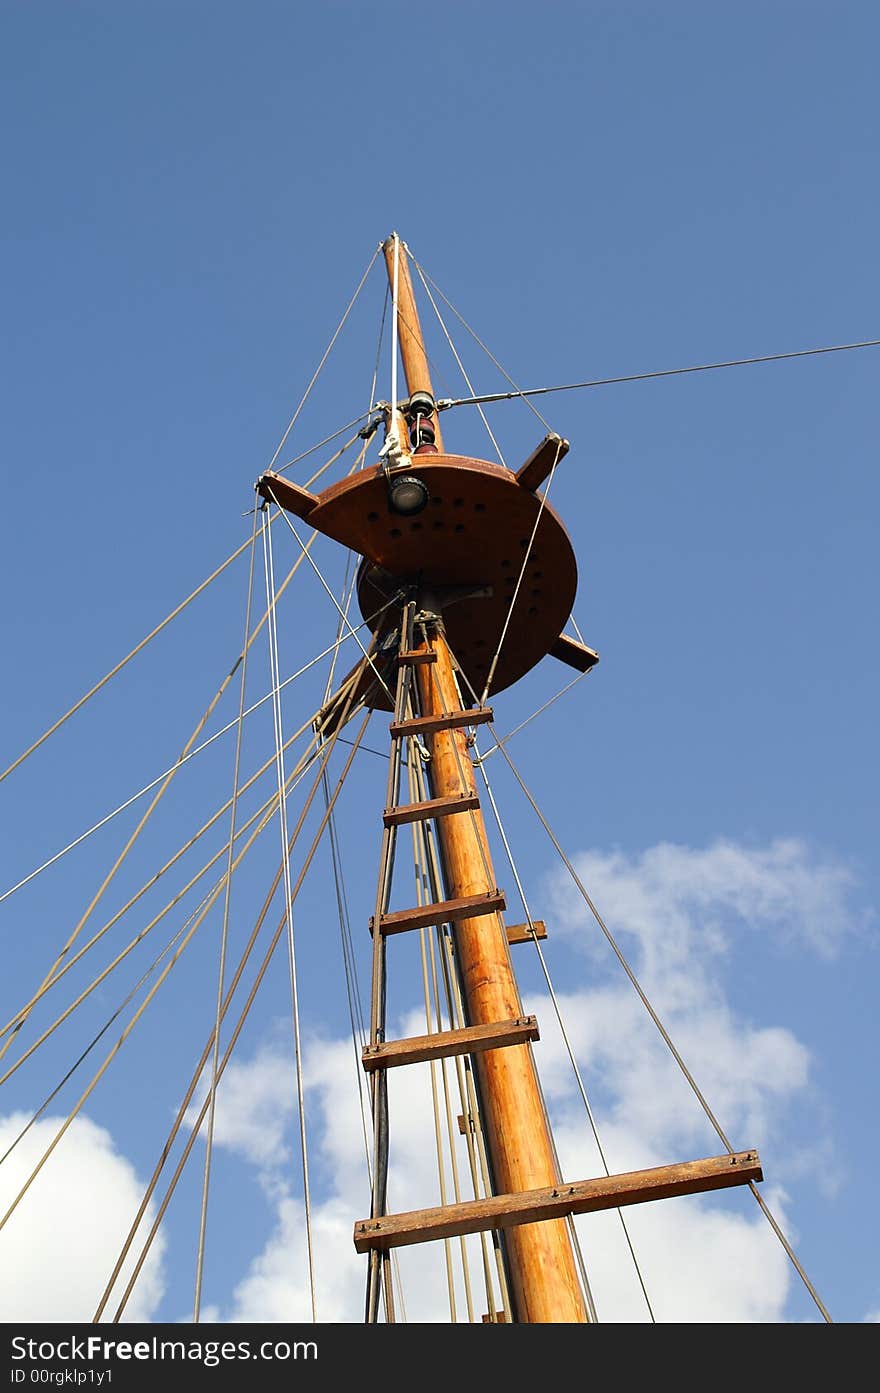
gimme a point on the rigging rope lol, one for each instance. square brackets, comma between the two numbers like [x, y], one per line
[664, 372]
[351, 632]
[461, 366]
[300, 770]
[558, 1011]
[275, 677]
[233, 1039]
[224, 932]
[522, 570]
[192, 754]
[455, 1011]
[145, 976]
[662, 1030]
[324, 357]
[127, 659]
[504, 373]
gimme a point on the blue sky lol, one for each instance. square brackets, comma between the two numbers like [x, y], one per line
[191, 195]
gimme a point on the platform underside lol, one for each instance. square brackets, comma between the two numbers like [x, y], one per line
[474, 534]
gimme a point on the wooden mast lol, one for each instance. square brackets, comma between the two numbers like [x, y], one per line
[541, 1261]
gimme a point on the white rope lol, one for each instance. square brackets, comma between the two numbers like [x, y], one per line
[145, 976]
[522, 571]
[224, 935]
[325, 356]
[288, 889]
[328, 439]
[504, 373]
[121, 664]
[460, 363]
[395, 310]
[640, 992]
[540, 710]
[351, 632]
[184, 760]
[559, 1017]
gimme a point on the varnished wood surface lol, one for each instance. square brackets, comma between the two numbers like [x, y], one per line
[577, 655]
[521, 933]
[444, 911]
[544, 1278]
[417, 1049]
[582, 1197]
[430, 807]
[540, 462]
[441, 720]
[409, 329]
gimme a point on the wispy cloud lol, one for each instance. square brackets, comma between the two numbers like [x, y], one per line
[675, 909]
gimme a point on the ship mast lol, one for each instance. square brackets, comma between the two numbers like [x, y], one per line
[541, 1261]
[449, 544]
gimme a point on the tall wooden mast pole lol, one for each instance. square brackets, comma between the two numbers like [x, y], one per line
[543, 1272]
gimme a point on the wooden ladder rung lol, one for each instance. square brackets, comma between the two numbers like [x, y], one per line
[421, 916]
[444, 1043]
[414, 659]
[432, 807]
[533, 1206]
[443, 720]
[521, 933]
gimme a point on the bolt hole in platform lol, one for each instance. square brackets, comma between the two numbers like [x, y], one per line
[395, 532]
[459, 527]
[458, 503]
[372, 517]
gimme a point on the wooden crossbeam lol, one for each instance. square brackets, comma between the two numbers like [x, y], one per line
[445, 720]
[421, 916]
[444, 1043]
[521, 933]
[577, 655]
[289, 495]
[432, 807]
[532, 1206]
[532, 474]
[414, 659]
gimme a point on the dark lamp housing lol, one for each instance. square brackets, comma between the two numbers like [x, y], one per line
[407, 494]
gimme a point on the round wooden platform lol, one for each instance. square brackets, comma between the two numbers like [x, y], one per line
[473, 533]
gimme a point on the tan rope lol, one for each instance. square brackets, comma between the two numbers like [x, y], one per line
[120, 665]
[305, 759]
[224, 931]
[461, 366]
[664, 1033]
[214, 896]
[233, 1038]
[435, 1100]
[455, 1010]
[326, 354]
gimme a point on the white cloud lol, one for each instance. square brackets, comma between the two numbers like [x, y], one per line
[676, 908]
[675, 900]
[254, 1106]
[61, 1243]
